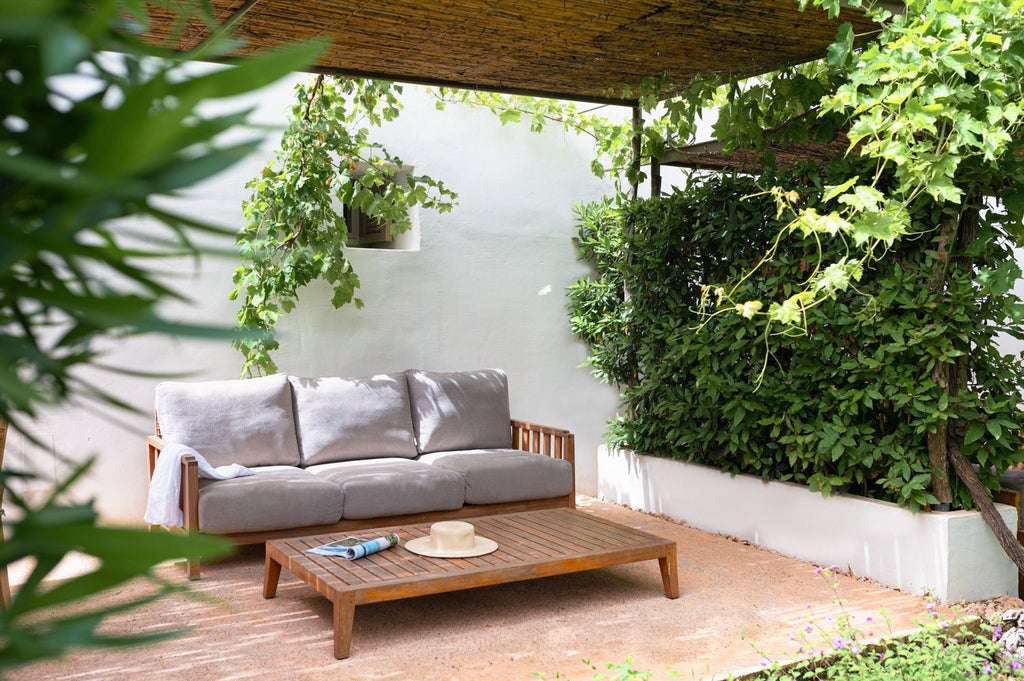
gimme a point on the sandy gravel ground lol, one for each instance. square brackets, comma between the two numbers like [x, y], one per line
[738, 604]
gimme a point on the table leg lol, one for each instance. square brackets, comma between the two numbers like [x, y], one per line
[271, 575]
[344, 615]
[669, 573]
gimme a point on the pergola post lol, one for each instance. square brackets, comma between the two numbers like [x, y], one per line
[638, 126]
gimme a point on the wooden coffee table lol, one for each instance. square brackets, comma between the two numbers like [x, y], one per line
[530, 544]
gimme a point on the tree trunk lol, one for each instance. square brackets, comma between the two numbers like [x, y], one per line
[958, 380]
[938, 447]
[937, 441]
[637, 149]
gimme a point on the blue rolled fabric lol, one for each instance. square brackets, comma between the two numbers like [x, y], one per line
[363, 547]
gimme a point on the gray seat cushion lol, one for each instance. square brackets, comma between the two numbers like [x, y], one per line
[501, 475]
[343, 419]
[243, 421]
[388, 487]
[277, 497]
[460, 410]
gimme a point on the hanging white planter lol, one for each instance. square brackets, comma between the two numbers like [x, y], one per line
[953, 555]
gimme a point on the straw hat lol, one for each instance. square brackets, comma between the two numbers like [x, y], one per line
[451, 539]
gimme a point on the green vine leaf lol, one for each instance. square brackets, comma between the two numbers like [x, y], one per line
[295, 233]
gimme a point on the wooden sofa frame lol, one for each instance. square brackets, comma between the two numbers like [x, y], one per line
[528, 437]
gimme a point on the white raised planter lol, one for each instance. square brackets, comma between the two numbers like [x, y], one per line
[954, 555]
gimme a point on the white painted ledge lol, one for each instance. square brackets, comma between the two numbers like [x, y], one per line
[953, 555]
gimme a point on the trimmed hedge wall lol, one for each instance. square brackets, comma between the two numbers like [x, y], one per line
[844, 406]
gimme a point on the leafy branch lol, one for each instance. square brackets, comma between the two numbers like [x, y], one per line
[97, 127]
[296, 231]
[74, 161]
[936, 102]
[611, 131]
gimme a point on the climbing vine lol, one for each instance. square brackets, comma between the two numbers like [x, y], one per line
[295, 230]
[935, 101]
[931, 110]
[846, 405]
[667, 122]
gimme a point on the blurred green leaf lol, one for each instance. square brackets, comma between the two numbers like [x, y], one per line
[76, 155]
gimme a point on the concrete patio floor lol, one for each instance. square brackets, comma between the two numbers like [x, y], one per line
[738, 604]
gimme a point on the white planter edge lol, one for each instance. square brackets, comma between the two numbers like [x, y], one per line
[952, 555]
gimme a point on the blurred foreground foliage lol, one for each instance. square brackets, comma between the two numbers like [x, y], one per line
[98, 129]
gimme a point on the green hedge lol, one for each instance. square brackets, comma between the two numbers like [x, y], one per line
[845, 406]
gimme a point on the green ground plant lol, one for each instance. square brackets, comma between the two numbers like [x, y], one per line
[840, 647]
[611, 672]
[937, 650]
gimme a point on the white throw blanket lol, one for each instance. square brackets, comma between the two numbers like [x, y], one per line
[163, 507]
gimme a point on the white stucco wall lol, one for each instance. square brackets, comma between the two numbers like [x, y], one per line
[485, 289]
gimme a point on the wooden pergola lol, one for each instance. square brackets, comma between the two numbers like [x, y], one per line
[587, 50]
[600, 51]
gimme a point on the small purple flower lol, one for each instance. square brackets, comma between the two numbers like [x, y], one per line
[987, 669]
[838, 643]
[855, 650]
[868, 619]
[1014, 664]
[834, 568]
[808, 628]
[818, 570]
[765, 662]
[881, 655]
[997, 632]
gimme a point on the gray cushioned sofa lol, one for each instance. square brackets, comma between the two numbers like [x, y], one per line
[342, 454]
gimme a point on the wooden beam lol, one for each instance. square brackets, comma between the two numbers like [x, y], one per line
[638, 126]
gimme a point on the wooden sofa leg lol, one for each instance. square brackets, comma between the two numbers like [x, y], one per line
[190, 506]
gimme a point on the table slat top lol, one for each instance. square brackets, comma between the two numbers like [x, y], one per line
[525, 540]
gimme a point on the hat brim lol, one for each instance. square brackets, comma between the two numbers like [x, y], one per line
[481, 546]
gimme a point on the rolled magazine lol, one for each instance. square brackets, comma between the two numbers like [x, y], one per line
[356, 547]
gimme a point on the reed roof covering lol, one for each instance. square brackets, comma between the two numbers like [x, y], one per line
[590, 50]
[711, 155]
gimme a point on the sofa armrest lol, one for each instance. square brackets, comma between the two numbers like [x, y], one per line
[1010, 497]
[189, 499]
[154, 445]
[557, 443]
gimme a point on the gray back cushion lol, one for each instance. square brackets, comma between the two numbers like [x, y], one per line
[343, 419]
[244, 421]
[460, 410]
